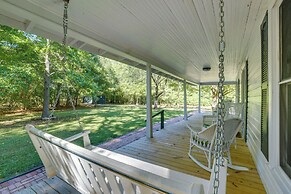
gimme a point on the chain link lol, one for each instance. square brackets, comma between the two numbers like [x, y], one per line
[65, 28]
[218, 161]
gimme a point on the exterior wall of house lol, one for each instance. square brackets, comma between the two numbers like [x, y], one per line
[273, 177]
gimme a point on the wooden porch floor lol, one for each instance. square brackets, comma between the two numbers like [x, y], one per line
[52, 185]
[169, 148]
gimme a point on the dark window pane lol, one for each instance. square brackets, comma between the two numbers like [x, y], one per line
[285, 89]
[288, 128]
[286, 39]
[285, 128]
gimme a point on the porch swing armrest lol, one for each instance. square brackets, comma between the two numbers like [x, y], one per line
[86, 139]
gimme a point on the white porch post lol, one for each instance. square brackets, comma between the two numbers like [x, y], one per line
[199, 98]
[237, 92]
[149, 124]
[185, 100]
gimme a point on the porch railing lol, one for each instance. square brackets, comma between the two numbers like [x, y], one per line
[162, 121]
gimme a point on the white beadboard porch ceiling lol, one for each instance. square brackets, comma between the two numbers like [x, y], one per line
[176, 36]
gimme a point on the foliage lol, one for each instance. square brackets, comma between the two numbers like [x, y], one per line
[159, 83]
[20, 68]
[127, 83]
[209, 94]
[22, 58]
[22, 65]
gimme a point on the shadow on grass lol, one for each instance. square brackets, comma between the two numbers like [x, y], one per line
[17, 153]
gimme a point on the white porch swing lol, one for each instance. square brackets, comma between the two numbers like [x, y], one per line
[96, 170]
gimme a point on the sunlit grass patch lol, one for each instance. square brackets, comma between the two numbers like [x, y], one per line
[17, 153]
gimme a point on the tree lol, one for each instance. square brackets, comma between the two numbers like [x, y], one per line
[20, 68]
[27, 60]
[159, 88]
[211, 92]
[22, 56]
[127, 84]
[46, 95]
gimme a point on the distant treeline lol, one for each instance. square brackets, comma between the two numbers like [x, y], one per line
[33, 73]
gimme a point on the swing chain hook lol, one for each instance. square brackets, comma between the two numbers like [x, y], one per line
[218, 160]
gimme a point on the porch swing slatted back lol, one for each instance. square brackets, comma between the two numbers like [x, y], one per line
[87, 176]
[103, 171]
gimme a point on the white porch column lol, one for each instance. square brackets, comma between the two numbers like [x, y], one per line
[199, 98]
[149, 124]
[185, 100]
[237, 92]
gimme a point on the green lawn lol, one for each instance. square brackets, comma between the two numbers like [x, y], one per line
[18, 155]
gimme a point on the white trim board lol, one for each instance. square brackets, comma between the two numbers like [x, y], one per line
[274, 179]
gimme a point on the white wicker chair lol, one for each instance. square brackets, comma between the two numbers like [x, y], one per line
[204, 141]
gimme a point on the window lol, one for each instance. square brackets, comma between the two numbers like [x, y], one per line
[285, 87]
[264, 89]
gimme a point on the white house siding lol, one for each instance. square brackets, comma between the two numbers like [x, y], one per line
[273, 177]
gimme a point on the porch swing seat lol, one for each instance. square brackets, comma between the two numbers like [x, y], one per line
[96, 170]
[204, 142]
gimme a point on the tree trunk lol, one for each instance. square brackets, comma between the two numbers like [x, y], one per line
[57, 98]
[58, 103]
[178, 102]
[68, 102]
[137, 100]
[155, 103]
[76, 99]
[160, 84]
[46, 95]
[156, 93]
[94, 101]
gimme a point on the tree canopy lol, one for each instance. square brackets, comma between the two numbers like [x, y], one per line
[24, 62]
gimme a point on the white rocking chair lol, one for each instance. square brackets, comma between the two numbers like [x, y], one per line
[205, 142]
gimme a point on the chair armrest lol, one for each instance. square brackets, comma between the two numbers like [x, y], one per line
[194, 129]
[86, 139]
[208, 133]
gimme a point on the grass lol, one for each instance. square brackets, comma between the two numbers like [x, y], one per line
[18, 155]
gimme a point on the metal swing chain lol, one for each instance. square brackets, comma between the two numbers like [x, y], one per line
[221, 106]
[65, 27]
[51, 116]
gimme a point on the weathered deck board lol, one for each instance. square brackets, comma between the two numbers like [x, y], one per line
[52, 185]
[60, 186]
[169, 148]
